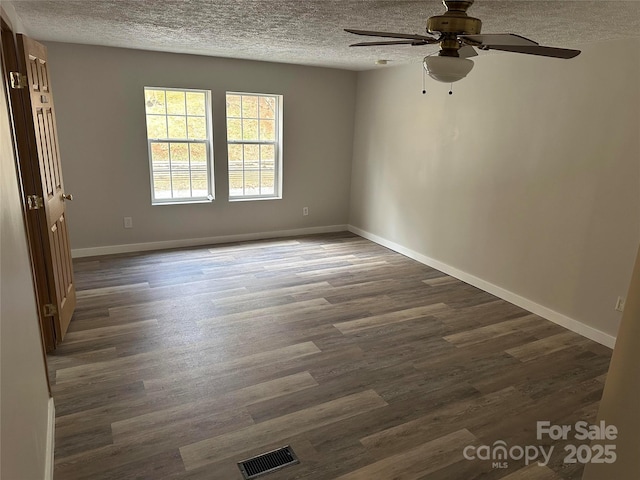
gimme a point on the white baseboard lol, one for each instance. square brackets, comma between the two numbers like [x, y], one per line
[193, 242]
[51, 437]
[533, 307]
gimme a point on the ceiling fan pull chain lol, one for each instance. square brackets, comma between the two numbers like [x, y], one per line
[451, 89]
[424, 87]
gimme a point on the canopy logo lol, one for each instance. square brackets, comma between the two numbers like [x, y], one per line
[500, 452]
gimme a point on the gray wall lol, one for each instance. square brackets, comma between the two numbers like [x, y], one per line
[24, 395]
[101, 127]
[527, 177]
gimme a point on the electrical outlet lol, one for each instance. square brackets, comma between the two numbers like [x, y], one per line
[305, 211]
[128, 222]
[620, 304]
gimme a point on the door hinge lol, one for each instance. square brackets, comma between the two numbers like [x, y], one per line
[18, 80]
[50, 310]
[34, 202]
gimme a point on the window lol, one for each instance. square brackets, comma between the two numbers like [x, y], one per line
[180, 150]
[254, 145]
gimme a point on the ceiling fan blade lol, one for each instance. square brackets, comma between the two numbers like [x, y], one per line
[406, 36]
[392, 42]
[495, 39]
[467, 52]
[536, 50]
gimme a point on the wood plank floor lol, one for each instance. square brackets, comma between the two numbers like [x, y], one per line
[179, 364]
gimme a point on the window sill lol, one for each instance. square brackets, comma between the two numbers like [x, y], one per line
[185, 202]
[252, 199]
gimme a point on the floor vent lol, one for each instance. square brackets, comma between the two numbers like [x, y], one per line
[268, 462]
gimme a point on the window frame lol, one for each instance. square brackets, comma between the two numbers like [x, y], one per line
[208, 143]
[277, 145]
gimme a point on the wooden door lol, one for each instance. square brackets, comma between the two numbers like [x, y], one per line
[28, 178]
[41, 151]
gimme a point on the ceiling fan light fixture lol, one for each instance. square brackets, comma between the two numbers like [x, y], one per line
[447, 69]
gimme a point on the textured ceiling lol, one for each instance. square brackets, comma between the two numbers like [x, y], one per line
[309, 32]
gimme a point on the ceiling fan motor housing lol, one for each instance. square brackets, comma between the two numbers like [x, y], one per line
[455, 21]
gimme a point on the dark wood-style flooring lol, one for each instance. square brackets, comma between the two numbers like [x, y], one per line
[372, 366]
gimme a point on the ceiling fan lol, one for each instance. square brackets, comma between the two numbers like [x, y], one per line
[458, 35]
